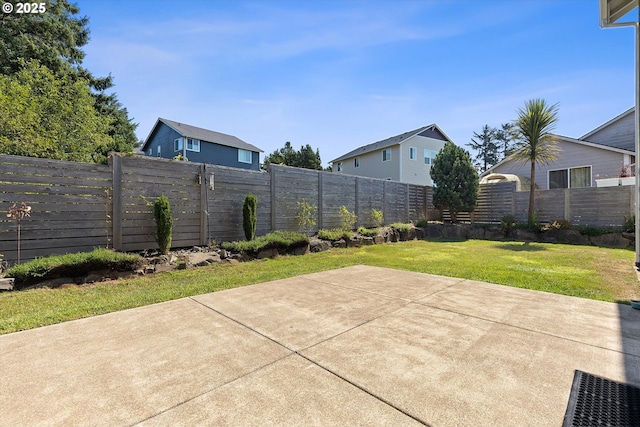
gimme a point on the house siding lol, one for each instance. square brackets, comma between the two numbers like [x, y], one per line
[604, 163]
[372, 166]
[619, 134]
[210, 152]
[415, 171]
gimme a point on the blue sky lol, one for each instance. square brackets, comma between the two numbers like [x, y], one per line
[340, 74]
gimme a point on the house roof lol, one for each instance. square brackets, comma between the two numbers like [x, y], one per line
[565, 139]
[586, 136]
[431, 130]
[194, 132]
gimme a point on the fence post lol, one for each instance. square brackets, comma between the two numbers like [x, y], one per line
[204, 209]
[426, 203]
[384, 201]
[116, 215]
[272, 171]
[567, 204]
[406, 202]
[357, 200]
[320, 207]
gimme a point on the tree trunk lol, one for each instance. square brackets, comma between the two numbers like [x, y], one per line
[532, 193]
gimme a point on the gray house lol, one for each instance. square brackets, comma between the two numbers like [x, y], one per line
[169, 139]
[406, 157]
[600, 157]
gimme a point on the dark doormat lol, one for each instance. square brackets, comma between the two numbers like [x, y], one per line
[597, 401]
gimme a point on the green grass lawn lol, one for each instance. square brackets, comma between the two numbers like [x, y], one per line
[583, 271]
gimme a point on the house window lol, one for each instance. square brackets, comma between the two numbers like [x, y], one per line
[339, 166]
[177, 144]
[386, 154]
[193, 145]
[413, 153]
[159, 151]
[429, 157]
[245, 156]
[570, 178]
[356, 162]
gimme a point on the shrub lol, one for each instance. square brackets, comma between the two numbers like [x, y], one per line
[376, 217]
[401, 227]
[334, 234]
[591, 231]
[368, 232]
[306, 216]
[164, 223]
[71, 265]
[281, 240]
[508, 224]
[249, 216]
[347, 218]
[423, 223]
[630, 223]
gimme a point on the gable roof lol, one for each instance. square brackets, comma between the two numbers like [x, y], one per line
[205, 135]
[604, 125]
[563, 139]
[430, 131]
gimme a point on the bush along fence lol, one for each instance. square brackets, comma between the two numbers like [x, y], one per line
[77, 207]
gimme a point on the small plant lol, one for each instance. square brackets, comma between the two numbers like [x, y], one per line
[280, 240]
[626, 172]
[508, 224]
[368, 232]
[347, 218]
[181, 157]
[376, 217]
[401, 227]
[630, 223]
[334, 234]
[18, 213]
[71, 265]
[249, 219]
[306, 216]
[164, 224]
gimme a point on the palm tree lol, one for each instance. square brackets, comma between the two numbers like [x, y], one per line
[537, 145]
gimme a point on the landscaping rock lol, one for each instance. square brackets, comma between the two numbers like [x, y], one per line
[317, 245]
[434, 231]
[267, 253]
[367, 241]
[525, 235]
[476, 233]
[629, 236]
[420, 233]
[299, 250]
[378, 240]
[339, 244]
[610, 240]
[354, 242]
[454, 231]
[201, 259]
[572, 237]
[6, 284]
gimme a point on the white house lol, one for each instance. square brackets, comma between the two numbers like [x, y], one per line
[406, 157]
[605, 152]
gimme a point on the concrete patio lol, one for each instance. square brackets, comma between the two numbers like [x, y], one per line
[355, 346]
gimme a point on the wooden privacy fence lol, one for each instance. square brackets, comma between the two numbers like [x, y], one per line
[77, 207]
[591, 206]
